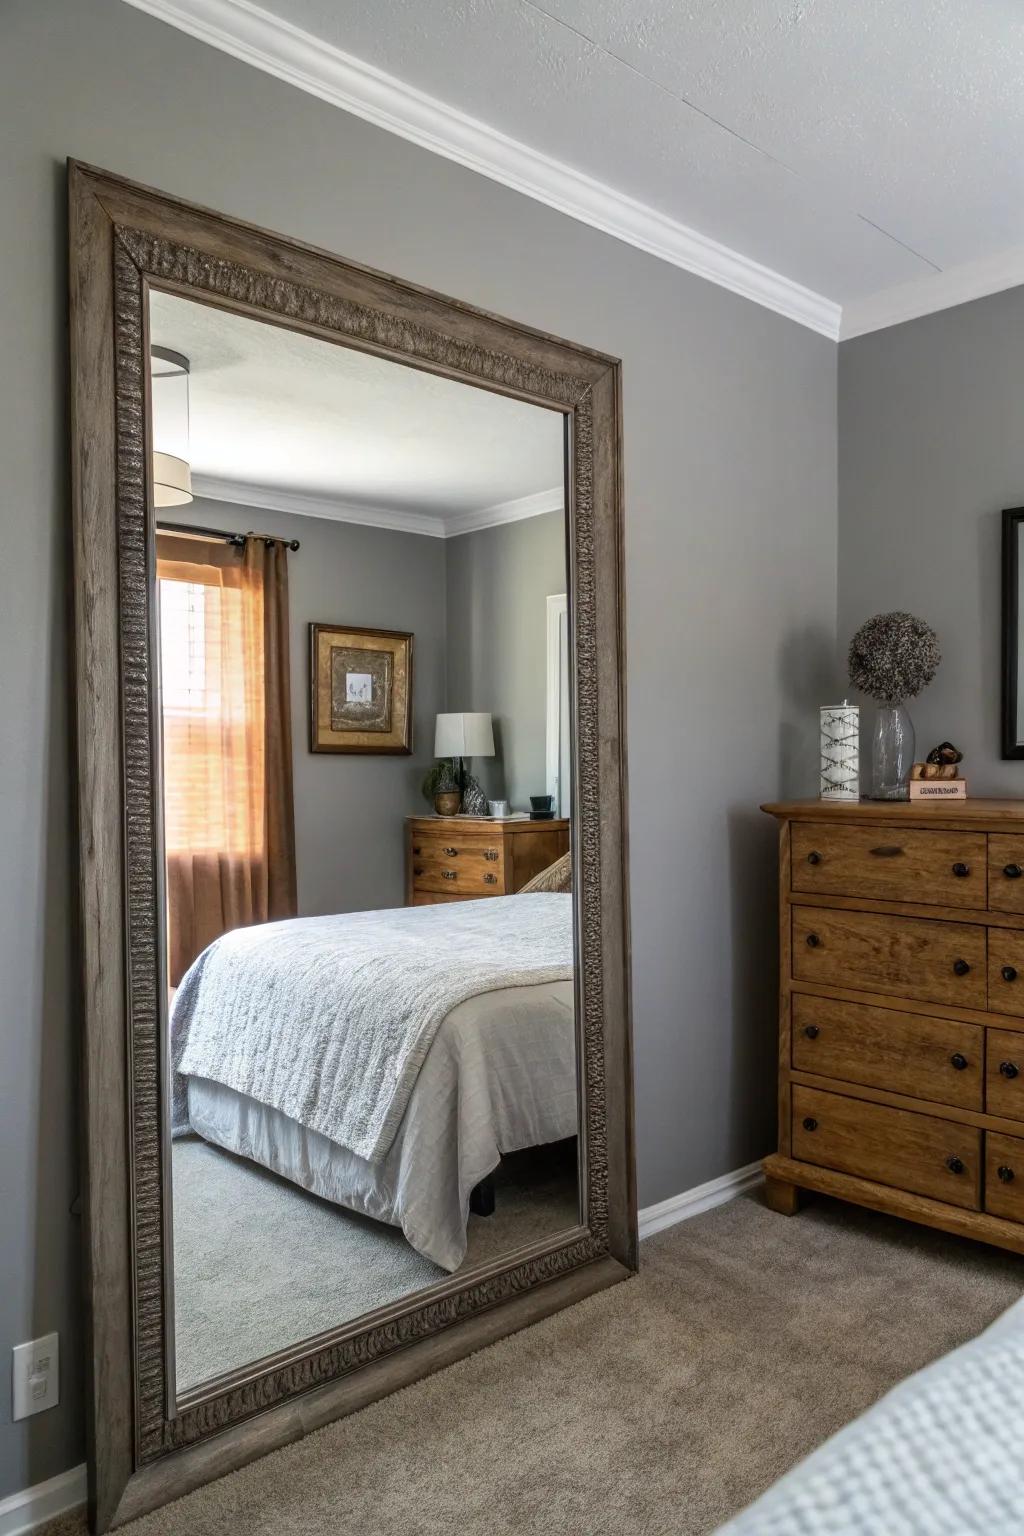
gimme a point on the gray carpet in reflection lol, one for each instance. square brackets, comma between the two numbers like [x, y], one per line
[260, 1264]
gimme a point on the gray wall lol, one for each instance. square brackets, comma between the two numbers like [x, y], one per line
[498, 582]
[730, 548]
[931, 448]
[350, 810]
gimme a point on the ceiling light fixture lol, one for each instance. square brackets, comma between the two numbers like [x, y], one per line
[172, 473]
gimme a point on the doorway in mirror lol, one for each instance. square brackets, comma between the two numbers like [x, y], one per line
[366, 1093]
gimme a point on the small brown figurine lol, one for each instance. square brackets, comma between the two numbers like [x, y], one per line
[941, 763]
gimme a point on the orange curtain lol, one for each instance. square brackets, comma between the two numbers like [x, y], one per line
[229, 822]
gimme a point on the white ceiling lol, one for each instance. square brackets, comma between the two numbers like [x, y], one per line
[284, 420]
[849, 145]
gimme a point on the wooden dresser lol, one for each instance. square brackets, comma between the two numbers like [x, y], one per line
[901, 1062]
[461, 858]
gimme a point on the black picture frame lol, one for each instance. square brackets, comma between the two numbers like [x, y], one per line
[1013, 519]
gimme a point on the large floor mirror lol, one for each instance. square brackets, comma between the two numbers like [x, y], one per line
[352, 793]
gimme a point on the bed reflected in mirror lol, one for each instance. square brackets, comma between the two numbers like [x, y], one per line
[364, 706]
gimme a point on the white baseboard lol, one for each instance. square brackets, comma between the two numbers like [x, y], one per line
[692, 1202]
[32, 1507]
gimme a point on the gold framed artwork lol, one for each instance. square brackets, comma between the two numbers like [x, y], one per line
[360, 689]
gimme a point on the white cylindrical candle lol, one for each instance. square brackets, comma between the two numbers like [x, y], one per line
[840, 752]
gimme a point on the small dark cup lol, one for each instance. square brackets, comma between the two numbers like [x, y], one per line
[542, 802]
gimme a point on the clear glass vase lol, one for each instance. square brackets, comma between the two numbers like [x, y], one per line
[892, 753]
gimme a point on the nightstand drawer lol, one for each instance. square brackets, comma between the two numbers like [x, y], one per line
[905, 956]
[1004, 1074]
[441, 849]
[920, 1153]
[909, 1053]
[1004, 1176]
[887, 863]
[458, 877]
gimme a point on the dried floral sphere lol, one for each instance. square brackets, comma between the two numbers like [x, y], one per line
[893, 656]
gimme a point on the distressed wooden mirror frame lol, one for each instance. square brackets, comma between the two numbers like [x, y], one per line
[146, 1446]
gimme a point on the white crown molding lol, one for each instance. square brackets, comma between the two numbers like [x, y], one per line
[694, 1202]
[268, 498]
[279, 48]
[33, 1507]
[505, 512]
[939, 290]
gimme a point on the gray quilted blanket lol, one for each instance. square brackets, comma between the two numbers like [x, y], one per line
[940, 1455]
[329, 1019]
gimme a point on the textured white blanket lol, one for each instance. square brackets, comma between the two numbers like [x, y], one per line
[329, 1019]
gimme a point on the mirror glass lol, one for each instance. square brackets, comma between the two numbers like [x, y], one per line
[364, 722]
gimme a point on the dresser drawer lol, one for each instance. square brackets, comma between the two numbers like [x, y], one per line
[888, 863]
[1006, 970]
[1004, 1073]
[1006, 873]
[932, 1157]
[906, 956]
[935, 1059]
[1004, 1176]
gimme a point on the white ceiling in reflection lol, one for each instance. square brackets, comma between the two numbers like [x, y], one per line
[288, 414]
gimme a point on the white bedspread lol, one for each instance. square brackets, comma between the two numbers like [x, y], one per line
[329, 1019]
[940, 1455]
[500, 1075]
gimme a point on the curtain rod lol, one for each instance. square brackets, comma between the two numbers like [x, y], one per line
[237, 539]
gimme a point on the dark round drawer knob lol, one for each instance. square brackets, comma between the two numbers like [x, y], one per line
[810, 1124]
[961, 871]
[958, 1060]
[1005, 1174]
[961, 967]
[417, 871]
[1009, 973]
[1009, 1069]
[812, 1031]
[813, 941]
[1012, 871]
[814, 857]
[955, 1164]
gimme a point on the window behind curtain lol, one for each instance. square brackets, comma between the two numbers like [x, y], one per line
[211, 677]
[226, 726]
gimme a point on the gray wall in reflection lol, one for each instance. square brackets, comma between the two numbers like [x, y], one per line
[730, 570]
[931, 450]
[498, 580]
[350, 809]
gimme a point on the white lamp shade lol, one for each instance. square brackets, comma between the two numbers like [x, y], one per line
[463, 736]
[172, 481]
[172, 475]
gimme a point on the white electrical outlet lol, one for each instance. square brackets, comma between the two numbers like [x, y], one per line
[36, 1376]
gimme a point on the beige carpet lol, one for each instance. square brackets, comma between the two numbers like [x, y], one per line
[259, 1264]
[660, 1406]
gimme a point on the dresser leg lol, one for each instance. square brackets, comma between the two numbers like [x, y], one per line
[781, 1197]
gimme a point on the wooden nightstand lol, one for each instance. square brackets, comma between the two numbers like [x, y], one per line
[461, 858]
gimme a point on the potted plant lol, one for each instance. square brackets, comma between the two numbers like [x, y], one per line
[441, 787]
